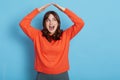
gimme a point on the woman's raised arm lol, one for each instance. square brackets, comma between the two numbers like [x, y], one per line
[25, 23]
[78, 22]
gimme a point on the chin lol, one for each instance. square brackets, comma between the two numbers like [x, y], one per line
[52, 32]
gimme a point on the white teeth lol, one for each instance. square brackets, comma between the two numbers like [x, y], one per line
[51, 26]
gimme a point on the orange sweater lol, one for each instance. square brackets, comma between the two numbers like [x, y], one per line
[51, 58]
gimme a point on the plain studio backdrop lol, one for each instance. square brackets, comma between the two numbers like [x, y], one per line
[94, 53]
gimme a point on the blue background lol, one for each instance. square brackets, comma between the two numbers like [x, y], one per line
[94, 53]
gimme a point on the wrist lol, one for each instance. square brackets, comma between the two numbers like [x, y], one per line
[63, 9]
[40, 9]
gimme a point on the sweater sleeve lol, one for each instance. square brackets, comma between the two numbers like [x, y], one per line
[76, 27]
[25, 24]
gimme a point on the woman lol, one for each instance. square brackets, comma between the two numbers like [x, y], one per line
[51, 44]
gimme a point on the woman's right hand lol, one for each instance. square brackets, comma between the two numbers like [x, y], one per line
[47, 5]
[44, 7]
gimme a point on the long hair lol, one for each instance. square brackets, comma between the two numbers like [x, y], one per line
[45, 32]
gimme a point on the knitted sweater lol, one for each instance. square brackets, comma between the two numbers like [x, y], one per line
[51, 57]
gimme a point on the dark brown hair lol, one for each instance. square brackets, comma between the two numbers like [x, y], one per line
[45, 32]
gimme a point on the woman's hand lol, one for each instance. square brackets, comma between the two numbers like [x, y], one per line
[59, 7]
[44, 7]
[47, 5]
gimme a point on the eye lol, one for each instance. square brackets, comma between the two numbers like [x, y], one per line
[47, 20]
[54, 19]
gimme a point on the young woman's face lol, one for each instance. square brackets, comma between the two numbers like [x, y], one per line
[51, 24]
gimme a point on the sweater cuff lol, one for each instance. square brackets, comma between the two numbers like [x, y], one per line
[36, 10]
[66, 10]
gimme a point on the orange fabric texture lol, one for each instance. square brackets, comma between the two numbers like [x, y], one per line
[51, 57]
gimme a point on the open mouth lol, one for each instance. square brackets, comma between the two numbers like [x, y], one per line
[51, 27]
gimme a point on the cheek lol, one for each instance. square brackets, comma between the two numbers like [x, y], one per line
[46, 23]
[56, 23]
[56, 26]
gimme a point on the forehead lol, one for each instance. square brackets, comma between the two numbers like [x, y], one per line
[51, 16]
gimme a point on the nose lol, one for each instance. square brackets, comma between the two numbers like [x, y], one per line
[51, 22]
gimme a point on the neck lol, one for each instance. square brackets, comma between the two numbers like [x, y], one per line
[51, 34]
